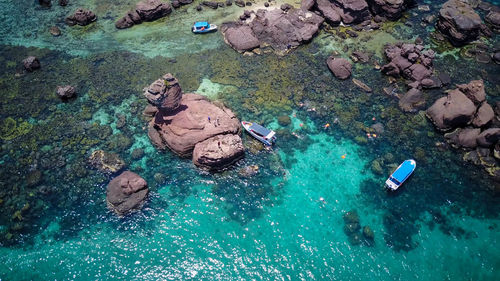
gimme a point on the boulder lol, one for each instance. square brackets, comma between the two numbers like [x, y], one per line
[65, 92]
[474, 91]
[417, 72]
[351, 217]
[353, 11]
[105, 161]
[239, 3]
[31, 63]
[489, 137]
[55, 31]
[463, 138]
[390, 9]
[329, 11]
[81, 17]
[165, 93]
[493, 18]
[368, 233]
[127, 192]
[306, 4]
[218, 152]
[146, 10]
[412, 100]
[340, 67]
[452, 111]
[459, 22]
[484, 115]
[210, 4]
[281, 30]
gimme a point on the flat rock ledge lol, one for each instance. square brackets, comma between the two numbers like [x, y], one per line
[195, 124]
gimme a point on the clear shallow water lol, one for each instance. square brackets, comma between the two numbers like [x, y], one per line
[443, 225]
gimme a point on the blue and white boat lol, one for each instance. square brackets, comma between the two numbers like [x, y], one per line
[401, 174]
[203, 27]
[264, 135]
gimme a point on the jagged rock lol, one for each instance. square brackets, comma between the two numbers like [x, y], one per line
[31, 63]
[474, 91]
[218, 152]
[489, 137]
[329, 11]
[391, 9]
[146, 10]
[409, 60]
[340, 67]
[459, 22]
[484, 115]
[353, 11]
[306, 4]
[81, 17]
[412, 100]
[165, 93]
[66, 92]
[105, 161]
[493, 18]
[126, 192]
[281, 30]
[454, 110]
[463, 138]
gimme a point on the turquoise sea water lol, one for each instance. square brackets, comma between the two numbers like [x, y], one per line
[286, 222]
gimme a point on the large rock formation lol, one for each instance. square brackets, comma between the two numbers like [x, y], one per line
[282, 30]
[81, 17]
[126, 192]
[493, 19]
[459, 22]
[187, 122]
[409, 60]
[146, 10]
[391, 9]
[454, 110]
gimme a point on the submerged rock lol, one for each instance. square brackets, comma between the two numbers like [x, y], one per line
[126, 192]
[459, 22]
[340, 67]
[146, 10]
[81, 17]
[489, 137]
[31, 63]
[282, 30]
[412, 101]
[105, 161]
[55, 31]
[66, 92]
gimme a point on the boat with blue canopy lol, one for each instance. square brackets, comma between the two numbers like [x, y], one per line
[203, 27]
[265, 135]
[401, 174]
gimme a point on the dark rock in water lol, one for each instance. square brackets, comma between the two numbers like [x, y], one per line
[137, 153]
[229, 2]
[146, 10]
[127, 192]
[266, 4]
[281, 30]
[218, 152]
[484, 115]
[445, 78]
[496, 57]
[352, 11]
[459, 22]
[31, 63]
[45, 3]
[55, 31]
[239, 3]
[210, 4]
[185, 2]
[221, 5]
[63, 3]
[165, 93]
[199, 8]
[391, 9]
[248, 3]
[412, 101]
[306, 4]
[66, 92]
[176, 4]
[285, 7]
[248, 171]
[329, 11]
[489, 137]
[340, 67]
[361, 85]
[474, 91]
[106, 162]
[408, 60]
[351, 217]
[483, 57]
[427, 83]
[452, 111]
[493, 18]
[351, 33]
[360, 56]
[463, 138]
[351, 228]
[284, 120]
[81, 17]
[378, 127]
[368, 233]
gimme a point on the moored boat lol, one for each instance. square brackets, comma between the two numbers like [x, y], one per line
[401, 174]
[203, 27]
[259, 132]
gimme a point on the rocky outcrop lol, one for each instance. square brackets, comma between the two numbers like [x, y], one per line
[340, 67]
[127, 192]
[409, 60]
[463, 138]
[66, 92]
[307, 4]
[484, 115]
[474, 90]
[281, 30]
[489, 137]
[493, 19]
[390, 9]
[81, 17]
[31, 63]
[459, 22]
[105, 161]
[412, 100]
[193, 123]
[454, 110]
[218, 151]
[329, 11]
[146, 10]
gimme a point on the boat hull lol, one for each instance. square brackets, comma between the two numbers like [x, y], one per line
[212, 28]
[267, 141]
[400, 175]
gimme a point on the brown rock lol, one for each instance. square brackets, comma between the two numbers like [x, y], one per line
[218, 152]
[452, 111]
[127, 192]
[459, 22]
[146, 10]
[412, 100]
[340, 67]
[484, 115]
[66, 92]
[106, 162]
[31, 63]
[463, 138]
[81, 17]
[489, 137]
[165, 93]
[474, 91]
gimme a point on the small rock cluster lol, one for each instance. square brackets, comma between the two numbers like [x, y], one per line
[146, 10]
[81, 17]
[470, 123]
[190, 125]
[352, 228]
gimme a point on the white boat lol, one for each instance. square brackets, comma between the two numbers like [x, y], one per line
[263, 134]
[203, 27]
[401, 174]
